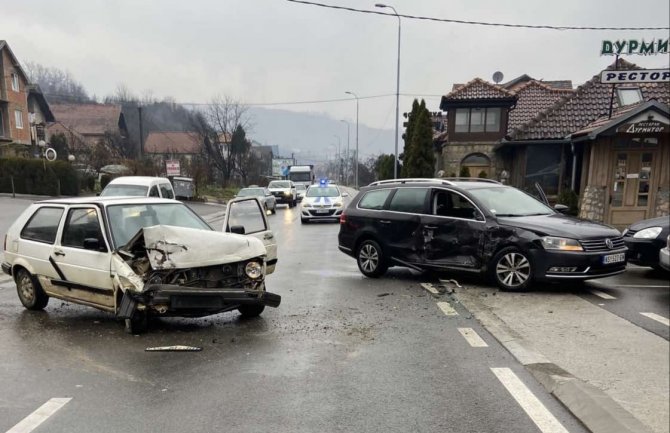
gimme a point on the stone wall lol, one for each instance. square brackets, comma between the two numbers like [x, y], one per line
[662, 203]
[592, 204]
[453, 154]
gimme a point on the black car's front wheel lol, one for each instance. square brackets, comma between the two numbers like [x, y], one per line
[511, 269]
[370, 259]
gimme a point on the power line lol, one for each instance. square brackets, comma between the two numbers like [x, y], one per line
[478, 23]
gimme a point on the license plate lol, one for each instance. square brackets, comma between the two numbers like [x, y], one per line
[614, 258]
[322, 211]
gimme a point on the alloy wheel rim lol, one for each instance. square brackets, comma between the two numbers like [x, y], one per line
[369, 258]
[513, 269]
[26, 289]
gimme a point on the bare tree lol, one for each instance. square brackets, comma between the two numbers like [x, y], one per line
[58, 85]
[216, 125]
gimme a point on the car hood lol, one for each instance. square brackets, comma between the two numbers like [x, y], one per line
[170, 247]
[652, 222]
[561, 225]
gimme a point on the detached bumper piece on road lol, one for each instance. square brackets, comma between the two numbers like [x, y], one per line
[173, 300]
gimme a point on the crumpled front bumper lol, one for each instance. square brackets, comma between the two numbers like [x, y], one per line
[174, 300]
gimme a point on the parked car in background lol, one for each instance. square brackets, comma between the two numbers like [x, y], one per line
[474, 226]
[264, 195]
[664, 256]
[301, 189]
[139, 186]
[284, 191]
[322, 202]
[134, 257]
[645, 239]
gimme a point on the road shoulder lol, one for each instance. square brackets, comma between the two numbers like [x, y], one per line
[613, 375]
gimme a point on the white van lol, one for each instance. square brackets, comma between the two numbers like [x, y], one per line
[139, 186]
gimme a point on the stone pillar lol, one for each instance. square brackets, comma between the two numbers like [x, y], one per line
[662, 203]
[592, 204]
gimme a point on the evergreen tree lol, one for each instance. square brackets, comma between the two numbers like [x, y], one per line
[407, 136]
[420, 159]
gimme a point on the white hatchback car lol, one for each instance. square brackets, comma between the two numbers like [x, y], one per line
[139, 186]
[136, 257]
[322, 202]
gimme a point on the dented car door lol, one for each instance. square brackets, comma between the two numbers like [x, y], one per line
[245, 215]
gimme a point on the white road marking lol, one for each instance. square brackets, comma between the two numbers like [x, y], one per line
[641, 285]
[658, 318]
[447, 309]
[602, 294]
[430, 288]
[32, 421]
[472, 337]
[533, 407]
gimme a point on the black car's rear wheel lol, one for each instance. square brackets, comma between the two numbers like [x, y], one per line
[30, 291]
[370, 259]
[511, 269]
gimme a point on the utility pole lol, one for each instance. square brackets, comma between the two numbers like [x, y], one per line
[356, 175]
[347, 157]
[139, 111]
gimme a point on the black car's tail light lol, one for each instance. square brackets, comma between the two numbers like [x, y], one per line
[343, 218]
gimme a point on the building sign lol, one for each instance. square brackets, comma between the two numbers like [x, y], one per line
[634, 46]
[172, 168]
[644, 127]
[639, 76]
[280, 166]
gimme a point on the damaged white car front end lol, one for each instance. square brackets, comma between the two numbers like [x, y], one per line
[177, 271]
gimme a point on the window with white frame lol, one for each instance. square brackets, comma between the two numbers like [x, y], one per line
[15, 82]
[629, 95]
[18, 116]
[478, 119]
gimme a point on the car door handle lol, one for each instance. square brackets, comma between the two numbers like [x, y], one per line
[385, 221]
[58, 253]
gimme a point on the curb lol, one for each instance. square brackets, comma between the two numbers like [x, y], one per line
[589, 404]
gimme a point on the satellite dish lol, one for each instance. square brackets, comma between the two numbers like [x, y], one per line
[498, 77]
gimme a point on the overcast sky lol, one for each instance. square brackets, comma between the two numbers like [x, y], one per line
[275, 51]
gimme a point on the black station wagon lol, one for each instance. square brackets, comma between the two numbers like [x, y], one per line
[474, 226]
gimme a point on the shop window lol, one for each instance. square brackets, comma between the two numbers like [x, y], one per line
[629, 95]
[644, 179]
[620, 175]
[543, 166]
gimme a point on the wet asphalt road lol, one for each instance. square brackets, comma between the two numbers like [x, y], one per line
[341, 354]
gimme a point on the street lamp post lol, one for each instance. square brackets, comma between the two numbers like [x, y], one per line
[339, 158]
[355, 96]
[346, 165]
[397, 90]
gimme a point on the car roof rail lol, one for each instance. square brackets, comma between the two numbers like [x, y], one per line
[412, 180]
[472, 179]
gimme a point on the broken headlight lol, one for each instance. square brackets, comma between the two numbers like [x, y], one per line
[254, 270]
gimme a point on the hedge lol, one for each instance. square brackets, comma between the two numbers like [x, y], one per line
[37, 176]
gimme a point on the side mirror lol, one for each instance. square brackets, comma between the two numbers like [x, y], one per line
[237, 230]
[91, 244]
[561, 208]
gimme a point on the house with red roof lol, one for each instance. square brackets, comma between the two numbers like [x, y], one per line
[86, 125]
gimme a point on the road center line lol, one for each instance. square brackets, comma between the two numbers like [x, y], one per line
[657, 317]
[430, 288]
[602, 294]
[447, 309]
[32, 421]
[472, 337]
[533, 407]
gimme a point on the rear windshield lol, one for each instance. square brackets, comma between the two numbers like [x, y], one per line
[322, 191]
[120, 190]
[279, 184]
[250, 192]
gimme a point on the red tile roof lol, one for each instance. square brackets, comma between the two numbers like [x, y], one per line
[587, 103]
[173, 142]
[533, 97]
[88, 119]
[478, 89]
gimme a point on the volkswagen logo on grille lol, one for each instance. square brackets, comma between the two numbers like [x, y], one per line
[609, 243]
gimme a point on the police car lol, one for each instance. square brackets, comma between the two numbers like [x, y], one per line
[322, 201]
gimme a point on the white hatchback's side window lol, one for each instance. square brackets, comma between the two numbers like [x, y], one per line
[166, 191]
[43, 225]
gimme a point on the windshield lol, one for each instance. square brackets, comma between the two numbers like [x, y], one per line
[250, 192]
[323, 191]
[301, 177]
[126, 219]
[279, 184]
[510, 202]
[120, 190]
